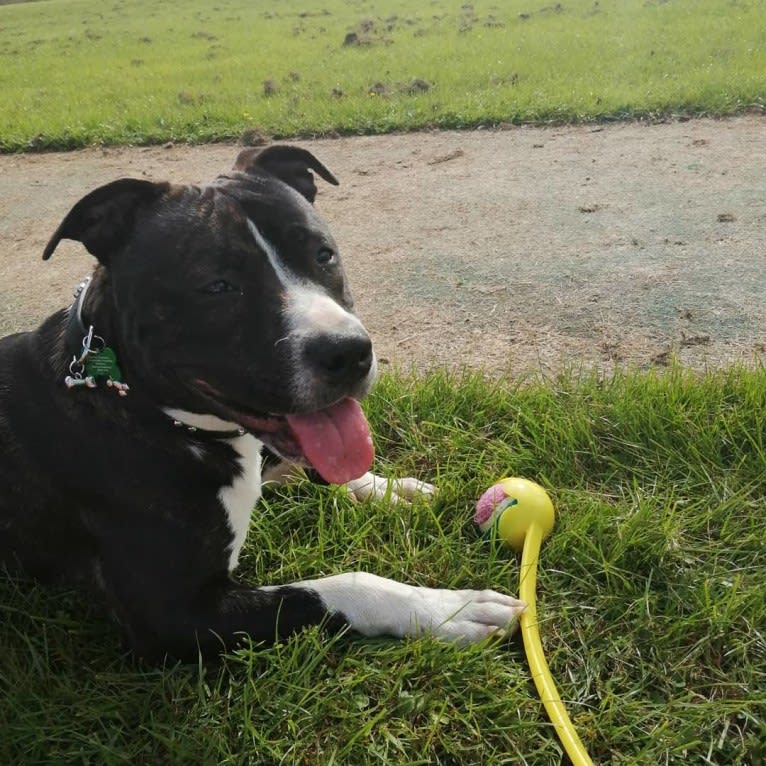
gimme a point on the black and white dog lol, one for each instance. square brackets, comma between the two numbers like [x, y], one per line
[217, 323]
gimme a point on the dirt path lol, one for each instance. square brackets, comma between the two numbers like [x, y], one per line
[520, 248]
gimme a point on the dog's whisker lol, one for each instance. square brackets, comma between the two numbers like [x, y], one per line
[283, 340]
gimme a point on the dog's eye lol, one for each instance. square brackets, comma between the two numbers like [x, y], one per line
[218, 287]
[325, 256]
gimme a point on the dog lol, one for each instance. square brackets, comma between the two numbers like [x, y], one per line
[217, 325]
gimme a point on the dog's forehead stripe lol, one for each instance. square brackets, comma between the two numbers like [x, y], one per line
[308, 307]
[280, 269]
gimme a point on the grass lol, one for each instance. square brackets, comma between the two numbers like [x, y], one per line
[78, 72]
[651, 594]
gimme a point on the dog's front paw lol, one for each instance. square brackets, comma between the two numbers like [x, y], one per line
[376, 606]
[371, 485]
[464, 616]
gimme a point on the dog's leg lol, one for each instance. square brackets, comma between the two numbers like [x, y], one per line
[370, 485]
[171, 610]
[374, 606]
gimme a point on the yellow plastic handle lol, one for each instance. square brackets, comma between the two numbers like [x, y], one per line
[541, 673]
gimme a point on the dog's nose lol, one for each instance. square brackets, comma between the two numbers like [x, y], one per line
[340, 359]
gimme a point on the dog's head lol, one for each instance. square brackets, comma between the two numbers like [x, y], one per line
[230, 300]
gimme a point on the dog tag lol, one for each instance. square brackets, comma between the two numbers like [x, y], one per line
[95, 363]
[102, 364]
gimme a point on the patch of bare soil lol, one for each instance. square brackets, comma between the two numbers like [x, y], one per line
[519, 249]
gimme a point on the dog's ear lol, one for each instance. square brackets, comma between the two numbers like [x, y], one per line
[103, 218]
[290, 164]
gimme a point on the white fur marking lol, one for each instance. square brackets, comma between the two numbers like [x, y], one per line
[280, 269]
[313, 311]
[239, 498]
[197, 420]
[376, 606]
[310, 309]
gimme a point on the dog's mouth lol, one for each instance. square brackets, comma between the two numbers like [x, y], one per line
[334, 440]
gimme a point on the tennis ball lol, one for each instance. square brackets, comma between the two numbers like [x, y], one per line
[510, 507]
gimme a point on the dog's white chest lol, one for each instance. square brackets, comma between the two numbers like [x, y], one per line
[239, 497]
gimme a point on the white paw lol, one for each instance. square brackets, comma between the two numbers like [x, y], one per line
[377, 487]
[465, 616]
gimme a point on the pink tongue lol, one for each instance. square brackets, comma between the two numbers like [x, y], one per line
[336, 441]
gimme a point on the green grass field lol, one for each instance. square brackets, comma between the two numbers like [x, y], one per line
[77, 72]
[651, 597]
